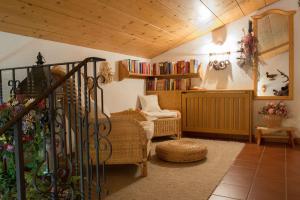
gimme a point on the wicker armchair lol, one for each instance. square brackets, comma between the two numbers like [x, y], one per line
[168, 126]
[130, 144]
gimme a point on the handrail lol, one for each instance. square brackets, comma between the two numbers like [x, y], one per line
[45, 94]
[38, 66]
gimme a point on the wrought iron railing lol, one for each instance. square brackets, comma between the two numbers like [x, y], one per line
[69, 133]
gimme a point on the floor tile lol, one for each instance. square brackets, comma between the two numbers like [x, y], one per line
[237, 179]
[293, 178]
[265, 195]
[241, 171]
[215, 197]
[249, 157]
[245, 163]
[231, 191]
[269, 185]
[270, 150]
[272, 162]
[266, 172]
[292, 170]
[272, 172]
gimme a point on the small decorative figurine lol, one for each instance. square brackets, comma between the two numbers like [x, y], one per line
[40, 59]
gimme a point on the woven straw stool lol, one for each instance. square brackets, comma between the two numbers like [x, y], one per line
[184, 150]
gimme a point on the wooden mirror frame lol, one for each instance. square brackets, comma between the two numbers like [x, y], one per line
[290, 15]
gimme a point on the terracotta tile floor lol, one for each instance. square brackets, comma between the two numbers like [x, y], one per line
[270, 172]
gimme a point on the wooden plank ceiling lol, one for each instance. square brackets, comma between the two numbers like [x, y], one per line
[143, 28]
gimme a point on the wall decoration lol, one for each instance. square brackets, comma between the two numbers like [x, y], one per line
[283, 75]
[271, 77]
[248, 47]
[106, 73]
[219, 35]
[284, 91]
[264, 88]
[219, 65]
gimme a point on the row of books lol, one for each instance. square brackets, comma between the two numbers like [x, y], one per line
[179, 67]
[167, 84]
[162, 68]
[137, 67]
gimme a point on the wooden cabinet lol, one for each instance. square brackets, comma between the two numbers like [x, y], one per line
[224, 112]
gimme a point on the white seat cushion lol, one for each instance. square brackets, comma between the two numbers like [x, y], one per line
[161, 114]
[148, 126]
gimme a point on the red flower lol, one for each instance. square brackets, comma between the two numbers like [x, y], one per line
[9, 147]
[27, 138]
[42, 104]
[3, 106]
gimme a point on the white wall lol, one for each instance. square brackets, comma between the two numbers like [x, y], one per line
[16, 50]
[237, 77]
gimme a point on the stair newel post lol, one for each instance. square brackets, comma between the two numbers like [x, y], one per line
[19, 159]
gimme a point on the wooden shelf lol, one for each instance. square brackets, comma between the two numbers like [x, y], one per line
[124, 73]
[190, 75]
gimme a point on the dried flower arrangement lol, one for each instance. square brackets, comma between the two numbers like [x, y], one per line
[106, 73]
[248, 48]
[278, 109]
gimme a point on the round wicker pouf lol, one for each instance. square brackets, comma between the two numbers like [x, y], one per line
[184, 150]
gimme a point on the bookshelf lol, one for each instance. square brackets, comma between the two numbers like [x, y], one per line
[167, 75]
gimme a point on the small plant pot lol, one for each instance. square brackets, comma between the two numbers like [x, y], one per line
[272, 121]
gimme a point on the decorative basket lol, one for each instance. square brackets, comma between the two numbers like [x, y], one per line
[271, 121]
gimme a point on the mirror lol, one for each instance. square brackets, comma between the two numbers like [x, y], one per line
[274, 63]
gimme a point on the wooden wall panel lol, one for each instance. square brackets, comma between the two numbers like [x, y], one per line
[226, 112]
[168, 99]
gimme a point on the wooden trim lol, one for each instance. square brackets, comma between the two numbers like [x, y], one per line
[290, 14]
[274, 11]
[281, 48]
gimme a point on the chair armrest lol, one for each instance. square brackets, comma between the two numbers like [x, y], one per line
[130, 114]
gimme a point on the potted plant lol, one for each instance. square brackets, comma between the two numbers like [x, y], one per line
[34, 133]
[273, 113]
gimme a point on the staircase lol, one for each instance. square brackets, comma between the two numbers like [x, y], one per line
[51, 155]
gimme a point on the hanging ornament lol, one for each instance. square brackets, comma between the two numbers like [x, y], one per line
[248, 47]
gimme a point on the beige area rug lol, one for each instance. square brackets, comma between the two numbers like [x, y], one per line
[170, 181]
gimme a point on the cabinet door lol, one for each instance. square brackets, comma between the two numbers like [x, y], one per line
[217, 112]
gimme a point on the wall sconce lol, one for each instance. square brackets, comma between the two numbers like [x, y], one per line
[264, 88]
[219, 35]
